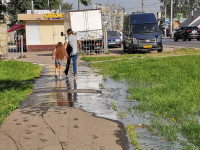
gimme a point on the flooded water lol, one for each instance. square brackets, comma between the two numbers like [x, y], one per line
[93, 93]
[116, 93]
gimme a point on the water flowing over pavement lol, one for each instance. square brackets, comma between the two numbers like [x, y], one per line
[49, 120]
[55, 115]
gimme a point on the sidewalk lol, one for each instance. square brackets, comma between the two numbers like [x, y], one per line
[48, 119]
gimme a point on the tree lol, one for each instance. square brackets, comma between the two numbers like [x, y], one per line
[16, 7]
[66, 6]
[115, 15]
[42, 4]
[2, 9]
[180, 6]
[85, 2]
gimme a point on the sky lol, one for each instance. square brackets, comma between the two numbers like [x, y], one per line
[150, 6]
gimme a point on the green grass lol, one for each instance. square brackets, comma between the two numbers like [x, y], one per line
[163, 128]
[113, 106]
[101, 86]
[122, 115]
[91, 59]
[16, 82]
[189, 147]
[133, 136]
[183, 51]
[167, 86]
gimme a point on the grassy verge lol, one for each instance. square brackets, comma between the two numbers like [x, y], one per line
[16, 82]
[133, 136]
[166, 86]
[183, 51]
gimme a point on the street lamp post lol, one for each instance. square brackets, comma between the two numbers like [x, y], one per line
[32, 7]
[79, 5]
[171, 25]
[60, 6]
[165, 20]
[142, 6]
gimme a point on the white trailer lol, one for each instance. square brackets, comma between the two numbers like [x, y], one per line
[87, 25]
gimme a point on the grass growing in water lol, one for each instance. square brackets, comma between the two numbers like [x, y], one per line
[133, 136]
[168, 130]
[101, 86]
[16, 82]
[113, 106]
[122, 115]
[168, 86]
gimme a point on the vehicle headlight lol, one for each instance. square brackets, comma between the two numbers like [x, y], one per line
[159, 39]
[118, 40]
[135, 41]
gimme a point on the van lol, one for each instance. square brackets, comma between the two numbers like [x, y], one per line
[141, 33]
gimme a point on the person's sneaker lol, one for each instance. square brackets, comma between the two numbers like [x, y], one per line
[56, 76]
[74, 77]
[60, 78]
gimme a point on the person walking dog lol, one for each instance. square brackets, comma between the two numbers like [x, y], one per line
[71, 45]
[59, 53]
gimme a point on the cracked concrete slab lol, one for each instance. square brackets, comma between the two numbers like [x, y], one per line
[49, 128]
[59, 125]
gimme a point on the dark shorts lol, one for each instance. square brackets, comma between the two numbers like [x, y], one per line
[58, 62]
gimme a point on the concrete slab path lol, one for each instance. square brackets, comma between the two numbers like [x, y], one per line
[46, 120]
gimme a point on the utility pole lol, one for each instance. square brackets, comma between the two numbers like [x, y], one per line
[32, 7]
[48, 7]
[142, 5]
[192, 15]
[171, 26]
[79, 5]
[165, 20]
[60, 8]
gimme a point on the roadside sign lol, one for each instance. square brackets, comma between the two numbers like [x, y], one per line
[179, 16]
[166, 20]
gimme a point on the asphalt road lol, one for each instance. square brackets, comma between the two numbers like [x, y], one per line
[168, 45]
[182, 44]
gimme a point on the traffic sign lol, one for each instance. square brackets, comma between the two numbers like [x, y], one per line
[166, 20]
[179, 16]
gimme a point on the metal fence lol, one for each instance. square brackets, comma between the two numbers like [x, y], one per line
[93, 41]
[15, 46]
[10, 47]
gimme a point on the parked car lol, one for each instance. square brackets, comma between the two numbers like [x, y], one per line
[187, 33]
[142, 33]
[114, 39]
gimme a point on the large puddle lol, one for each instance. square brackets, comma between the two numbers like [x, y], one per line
[93, 93]
[114, 96]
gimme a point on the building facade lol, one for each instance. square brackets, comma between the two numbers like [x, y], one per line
[43, 31]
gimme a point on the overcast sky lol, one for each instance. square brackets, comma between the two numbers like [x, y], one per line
[152, 6]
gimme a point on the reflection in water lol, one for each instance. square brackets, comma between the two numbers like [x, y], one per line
[65, 98]
[75, 94]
